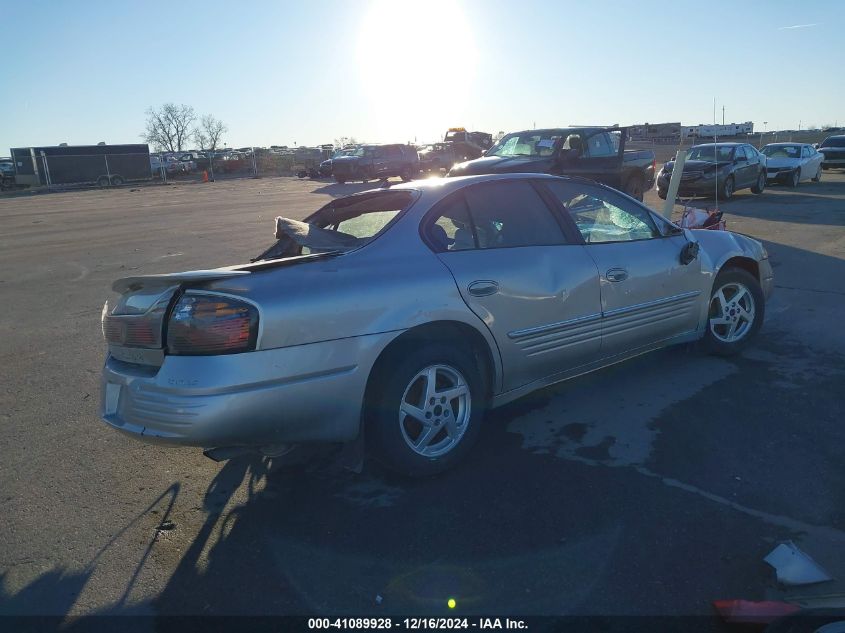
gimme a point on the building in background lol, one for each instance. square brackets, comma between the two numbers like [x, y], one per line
[709, 131]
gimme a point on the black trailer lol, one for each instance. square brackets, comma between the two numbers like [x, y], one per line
[101, 165]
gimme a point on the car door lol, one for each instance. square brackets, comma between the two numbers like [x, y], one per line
[756, 162]
[592, 154]
[647, 294]
[741, 168]
[808, 168]
[517, 269]
[379, 161]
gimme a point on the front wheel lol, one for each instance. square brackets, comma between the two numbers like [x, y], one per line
[726, 191]
[339, 180]
[795, 178]
[426, 409]
[760, 185]
[735, 313]
[818, 175]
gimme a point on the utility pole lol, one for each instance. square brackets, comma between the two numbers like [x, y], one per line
[723, 115]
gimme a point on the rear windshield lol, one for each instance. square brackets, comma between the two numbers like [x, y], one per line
[834, 141]
[782, 151]
[340, 226]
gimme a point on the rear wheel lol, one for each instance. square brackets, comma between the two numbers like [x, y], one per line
[735, 313]
[661, 194]
[635, 187]
[795, 178]
[426, 409]
[117, 180]
[103, 181]
[340, 180]
[760, 185]
[726, 191]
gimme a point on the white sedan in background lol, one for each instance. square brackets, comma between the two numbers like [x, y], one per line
[791, 163]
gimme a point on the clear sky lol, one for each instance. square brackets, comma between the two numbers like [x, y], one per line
[307, 72]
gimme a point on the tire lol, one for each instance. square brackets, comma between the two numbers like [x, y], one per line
[729, 326]
[726, 191]
[339, 180]
[818, 176]
[661, 194]
[795, 178]
[634, 187]
[407, 175]
[760, 185]
[103, 181]
[390, 432]
[116, 181]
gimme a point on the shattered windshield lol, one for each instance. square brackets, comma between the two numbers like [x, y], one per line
[536, 143]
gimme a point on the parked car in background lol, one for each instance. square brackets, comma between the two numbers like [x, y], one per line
[595, 153]
[833, 150]
[410, 311]
[437, 156]
[7, 174]
[717, 169]
[790, 163]
[375, 162]
[325, 168]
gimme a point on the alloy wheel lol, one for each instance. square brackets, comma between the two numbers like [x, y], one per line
[435, 410]
[731, 313]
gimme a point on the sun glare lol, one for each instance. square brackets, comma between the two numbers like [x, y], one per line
[416, 61]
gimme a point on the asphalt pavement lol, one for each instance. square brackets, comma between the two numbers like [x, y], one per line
[649, 488]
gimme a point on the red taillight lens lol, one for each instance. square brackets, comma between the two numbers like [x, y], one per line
[208, 324]
[129, 332]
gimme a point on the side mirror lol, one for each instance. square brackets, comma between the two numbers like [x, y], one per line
[689, 252]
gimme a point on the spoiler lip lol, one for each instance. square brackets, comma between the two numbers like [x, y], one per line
[172, 279]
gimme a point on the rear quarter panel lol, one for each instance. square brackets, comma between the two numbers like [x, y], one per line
[390, 285]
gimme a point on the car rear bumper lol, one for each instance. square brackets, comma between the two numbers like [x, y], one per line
[305, 393]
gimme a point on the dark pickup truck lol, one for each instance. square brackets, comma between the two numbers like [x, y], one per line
[591, 152]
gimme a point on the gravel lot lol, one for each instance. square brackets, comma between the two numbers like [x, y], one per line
[652, 487]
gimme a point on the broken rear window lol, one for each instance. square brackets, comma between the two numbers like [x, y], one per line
[340, 226]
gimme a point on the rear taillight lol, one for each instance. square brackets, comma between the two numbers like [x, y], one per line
[203, 324]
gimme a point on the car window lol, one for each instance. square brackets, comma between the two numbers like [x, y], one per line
[451, 228]
[740, 154]
[393, 151]
[603, 216]
[510, 214]
[599, 145]
[805, 152]
[750, 152]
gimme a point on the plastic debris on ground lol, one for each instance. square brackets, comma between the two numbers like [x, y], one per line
[749, 612]
[694, 218]
[794, 567]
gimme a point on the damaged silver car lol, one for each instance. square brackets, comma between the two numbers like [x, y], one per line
[399, 316]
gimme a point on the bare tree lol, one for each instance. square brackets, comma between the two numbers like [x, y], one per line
[209, 133]
[343, 141]
[168, 127]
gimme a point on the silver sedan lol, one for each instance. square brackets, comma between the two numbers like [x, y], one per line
[790, 163]
[400, 315]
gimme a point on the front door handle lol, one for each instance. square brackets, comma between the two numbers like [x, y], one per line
[483, 288]
[616, 274]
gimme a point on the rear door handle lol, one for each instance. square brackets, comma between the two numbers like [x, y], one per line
[616, 274]
[483, 288]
